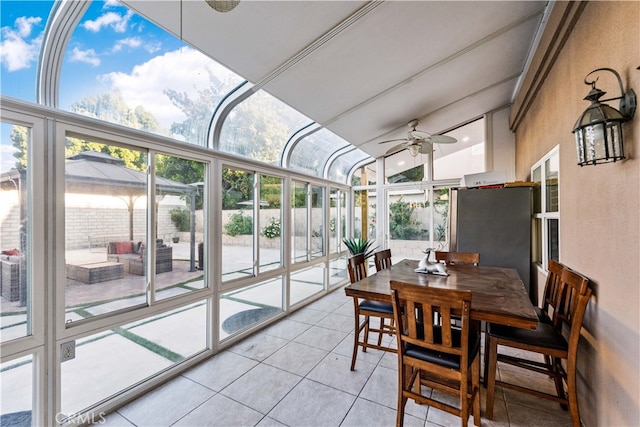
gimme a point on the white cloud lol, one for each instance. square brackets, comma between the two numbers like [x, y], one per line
[25, 25]
[110, 19]
[185, 70]
[87, 56]
[132, 42]
[16, 52]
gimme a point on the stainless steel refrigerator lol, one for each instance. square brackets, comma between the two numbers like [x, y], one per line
[496, 222]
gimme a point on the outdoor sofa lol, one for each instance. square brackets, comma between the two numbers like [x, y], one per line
[133, 256]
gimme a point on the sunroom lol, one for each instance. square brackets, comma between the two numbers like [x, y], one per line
[176, 178]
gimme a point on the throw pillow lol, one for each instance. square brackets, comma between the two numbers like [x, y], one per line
[124, 247]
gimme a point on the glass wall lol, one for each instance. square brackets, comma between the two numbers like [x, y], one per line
[105, 228]
[299, 221]
[337, 219]
[306, 283]
[180, 228]
[318, 238]
[23, 24]
[259, 127]
[240, 309]
[271, 191]
[17, 402]
[137, 351]
[15, 231]
[310, 154]
[114, 73]
[237, 223]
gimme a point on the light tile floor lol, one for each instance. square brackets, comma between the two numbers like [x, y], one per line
[296, 373]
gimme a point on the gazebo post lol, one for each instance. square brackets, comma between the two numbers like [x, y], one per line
[192, 259]
[130, 209]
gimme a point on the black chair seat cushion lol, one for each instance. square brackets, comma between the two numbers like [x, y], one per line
[444, 359]
[377, 306]
[545, 335]
[542, 315]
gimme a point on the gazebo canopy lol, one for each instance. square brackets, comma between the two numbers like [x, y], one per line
[100, 173]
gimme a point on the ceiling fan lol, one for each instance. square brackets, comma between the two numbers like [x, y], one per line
[418, 141]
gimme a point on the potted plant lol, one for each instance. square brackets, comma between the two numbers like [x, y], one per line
[357, 245]
[175, 239]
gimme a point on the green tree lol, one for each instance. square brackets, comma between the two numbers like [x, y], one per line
[256, 130]
[415, 174]
[181, 170]
[20, 137]
[133, 159]
[111, 107]
[237, 186]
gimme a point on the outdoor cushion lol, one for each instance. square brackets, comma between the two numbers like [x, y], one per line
[124, 247]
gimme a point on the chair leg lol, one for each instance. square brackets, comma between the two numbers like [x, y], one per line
[464, 402]
[356, 333]
[402, 400]
[572, 393]
[381, 329]
[486, 359]
[475, 381]
[556, 368]
[490, 370]
[366, 334]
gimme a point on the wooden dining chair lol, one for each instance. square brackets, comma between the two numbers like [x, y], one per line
[439, 356]
[382, 259]
[551, 289]
[558, 340]
[368, 308]
[472, 258]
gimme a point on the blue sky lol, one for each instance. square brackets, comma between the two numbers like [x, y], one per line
[112, 48]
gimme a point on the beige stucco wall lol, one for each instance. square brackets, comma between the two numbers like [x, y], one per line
[599, 207]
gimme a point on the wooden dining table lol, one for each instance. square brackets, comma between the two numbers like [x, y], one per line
[497, 293]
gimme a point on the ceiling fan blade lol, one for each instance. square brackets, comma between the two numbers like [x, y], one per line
[396, 148]
[418, 134]
[392, 140]
[442, 139]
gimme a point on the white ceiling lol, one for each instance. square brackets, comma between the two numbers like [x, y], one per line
[365, 69]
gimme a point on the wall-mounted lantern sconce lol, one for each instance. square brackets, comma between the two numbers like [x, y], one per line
[598, 130]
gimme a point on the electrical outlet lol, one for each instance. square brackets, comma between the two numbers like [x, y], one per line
[67, 351]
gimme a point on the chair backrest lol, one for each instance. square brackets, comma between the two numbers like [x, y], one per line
[573, 297]
[552, 287]
[458, 257]
[414, 305]
[382, 259]
[357, 268]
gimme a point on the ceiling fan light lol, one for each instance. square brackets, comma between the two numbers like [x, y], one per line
[414, 150]
[223, 5]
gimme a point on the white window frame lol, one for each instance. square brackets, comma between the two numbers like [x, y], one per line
[544, 216]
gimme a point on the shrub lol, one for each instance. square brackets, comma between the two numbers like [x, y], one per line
[239, 224]
[181, 218]
[401, 226]
[272, 230]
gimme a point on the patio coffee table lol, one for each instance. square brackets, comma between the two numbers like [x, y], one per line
[95, 272]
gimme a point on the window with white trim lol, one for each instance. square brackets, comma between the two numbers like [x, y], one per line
[546, 208]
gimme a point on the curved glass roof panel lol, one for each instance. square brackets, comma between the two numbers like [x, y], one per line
[23, 24]
[311, 153]
[121, 68]
[339, 169]
[259, 127]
